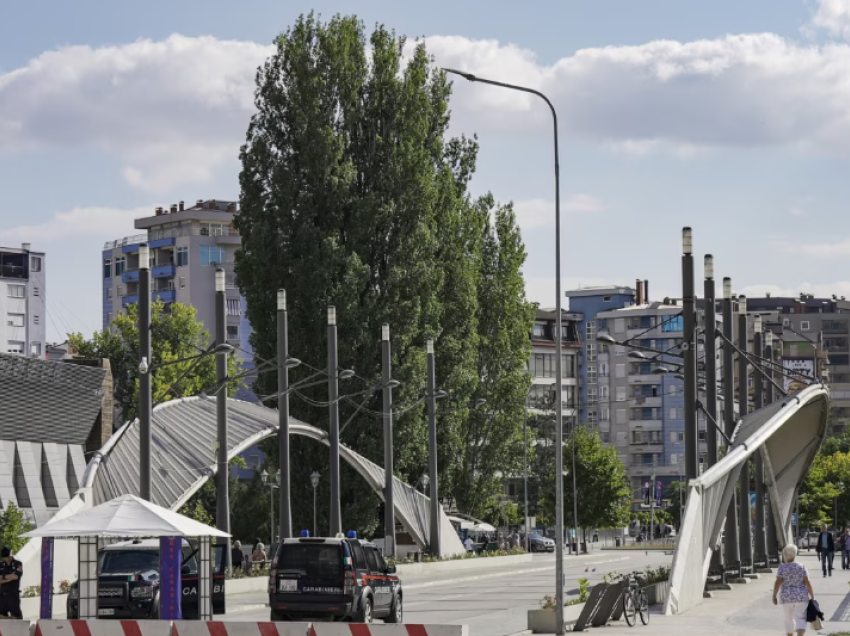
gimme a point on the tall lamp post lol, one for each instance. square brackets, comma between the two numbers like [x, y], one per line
[314, 479]
[285, 530]
[559, 424]
[271, 484]
[222, 482]
[145, 394]
[389, 504]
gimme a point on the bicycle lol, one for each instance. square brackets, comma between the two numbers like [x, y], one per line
[635, 602]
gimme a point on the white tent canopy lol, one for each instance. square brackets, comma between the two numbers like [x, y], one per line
[126, 516]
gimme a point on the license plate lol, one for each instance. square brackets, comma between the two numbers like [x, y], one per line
[106, 612]
[288, 585]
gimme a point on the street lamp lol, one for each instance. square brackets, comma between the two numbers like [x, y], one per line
[559, 423]
[271, 485]
[314, 479]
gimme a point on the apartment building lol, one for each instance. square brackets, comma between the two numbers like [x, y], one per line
[542, 366]
[187, 245]
[23, 301]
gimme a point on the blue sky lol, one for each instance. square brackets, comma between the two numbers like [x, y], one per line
[727, 116]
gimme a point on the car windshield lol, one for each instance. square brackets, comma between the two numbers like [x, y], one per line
[115, 561]
[534, 535]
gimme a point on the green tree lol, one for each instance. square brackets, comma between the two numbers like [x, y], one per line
[202, 505]
[603, 487]
[825, 489]
[13, 524]
[676, 493]
[175, 334]
[353, 196]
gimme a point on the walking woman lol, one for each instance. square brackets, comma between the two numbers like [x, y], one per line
[793, 590]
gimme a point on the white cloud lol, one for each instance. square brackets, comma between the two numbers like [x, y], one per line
[833, 16]
[89, 226]
[540, 213]
[838, 249]
[795, 211]
[171, 111]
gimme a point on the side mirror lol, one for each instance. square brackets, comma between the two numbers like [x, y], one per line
[185, 570]
[391, 569]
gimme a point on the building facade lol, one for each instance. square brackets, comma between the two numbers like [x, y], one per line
[187, 245]
[541, 363]
[23, 301]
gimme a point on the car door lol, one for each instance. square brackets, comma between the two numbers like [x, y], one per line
[378, 580]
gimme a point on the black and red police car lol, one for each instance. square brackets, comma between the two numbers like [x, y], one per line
[339, 579]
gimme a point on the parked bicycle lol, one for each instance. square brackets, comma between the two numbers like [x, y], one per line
[635, 601]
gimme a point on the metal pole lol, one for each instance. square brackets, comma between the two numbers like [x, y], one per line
[731, 553]
[689, 346]
[525, 473]
[389, 504]
[434, 533]
[333, 396]
[745, 539]
[758, 386]
[145, 394]
[652, 502]
[315, 522]
[710, 360]
[271, 516]
[772, 541]
[222, 516]
[283, 416]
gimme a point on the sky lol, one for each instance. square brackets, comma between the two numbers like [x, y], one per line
[729, 116]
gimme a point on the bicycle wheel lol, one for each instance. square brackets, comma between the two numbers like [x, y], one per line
[629, 608]
[643, 607]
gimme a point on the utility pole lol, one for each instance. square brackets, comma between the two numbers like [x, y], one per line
[689, 346]
[652, 501]
[333, 397]
[432, 449]
[758, 386]
[145, 394]
[772, 541]
[745, 539]
[221, 476]
[389, 504]
[283, 415]
[710, 359]
[731, 553]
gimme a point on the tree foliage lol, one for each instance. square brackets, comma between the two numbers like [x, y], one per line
[602, 483]
[175, 334]
[13, 524]
[202, 505]
[827, 484]
[353, 196]
[677, 494]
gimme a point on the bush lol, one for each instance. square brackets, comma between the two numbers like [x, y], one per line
[548, 602]
[31, 592]
[457, 557]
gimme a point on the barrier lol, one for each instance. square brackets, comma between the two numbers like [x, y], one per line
[361, 629]
[103, 628]
[232, 628]
[15, 628]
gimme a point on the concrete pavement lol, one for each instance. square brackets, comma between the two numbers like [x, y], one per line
[492, 603]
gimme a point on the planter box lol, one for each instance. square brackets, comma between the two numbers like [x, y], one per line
[246, 585]
[543, 621]
[657, 592]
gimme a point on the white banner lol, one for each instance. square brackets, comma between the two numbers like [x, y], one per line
[797, 368]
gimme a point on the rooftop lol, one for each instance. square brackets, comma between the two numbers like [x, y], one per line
[602, 290]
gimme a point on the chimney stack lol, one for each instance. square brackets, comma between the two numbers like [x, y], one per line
[181, 206]
[159, 211]
[173, 208]
[638, 292]
[26, 246]
[199, 204]
[646, 291]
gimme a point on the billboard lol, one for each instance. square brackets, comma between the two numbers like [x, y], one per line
[797, 368]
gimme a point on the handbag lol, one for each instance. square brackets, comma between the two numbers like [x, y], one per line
[816, 624]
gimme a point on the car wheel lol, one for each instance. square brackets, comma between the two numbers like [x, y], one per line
[365, 615]
[396, 611]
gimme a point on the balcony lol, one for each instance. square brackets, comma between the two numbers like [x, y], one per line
[645, 400]
[130, 276]
[166, 296]
[647, 424]
[645, 379]
[646, 447]
[231, 238]
[164, 271]
[126, 301]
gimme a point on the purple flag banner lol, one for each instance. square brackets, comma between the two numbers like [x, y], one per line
[659, 493]
[170, 585]
[46, 612]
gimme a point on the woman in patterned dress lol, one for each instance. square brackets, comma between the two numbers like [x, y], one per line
[793, 590]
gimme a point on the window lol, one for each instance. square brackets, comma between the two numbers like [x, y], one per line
[591, 395]
[233, 332]
[35, 349]
[620, 370]
[591, 352]
[182, 256]
[107, 268]
[372, 559]
[619, 325]
[603, 391]
[14, 346]
[592, 417]
[590, 330]
[604, 413]
[606, 299]
[701, 436]
[35, 291]
[234, 306]
[212, 255]
[539, 330]
[622, 416]
[182, 282]
[17, 291]
[15, 320]
[672, 414]
[35, 320]
[35, 264]
[674, 459]
[120, 265]
[591, 375]
[621, 394]
[805, 325]
[619, 351]
[109, 293]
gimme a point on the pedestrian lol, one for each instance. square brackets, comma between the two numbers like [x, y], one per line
[11, 572]
[793, 590]
[237, 556]
[259, 554]
[845, 552]
[468, 544]
[826, 549]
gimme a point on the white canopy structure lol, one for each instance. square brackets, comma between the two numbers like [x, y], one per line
[126, 516]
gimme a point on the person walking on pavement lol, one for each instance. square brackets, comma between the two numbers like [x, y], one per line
[793, 590]
[826, 550]
[11, 572]
[237, 556]
[845, 550]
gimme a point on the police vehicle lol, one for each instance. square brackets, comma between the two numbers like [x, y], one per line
[128, 581]
[340, 579]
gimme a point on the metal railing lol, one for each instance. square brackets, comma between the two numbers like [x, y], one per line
[127, 240]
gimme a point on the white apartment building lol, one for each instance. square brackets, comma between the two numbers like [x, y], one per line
[23, 301]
